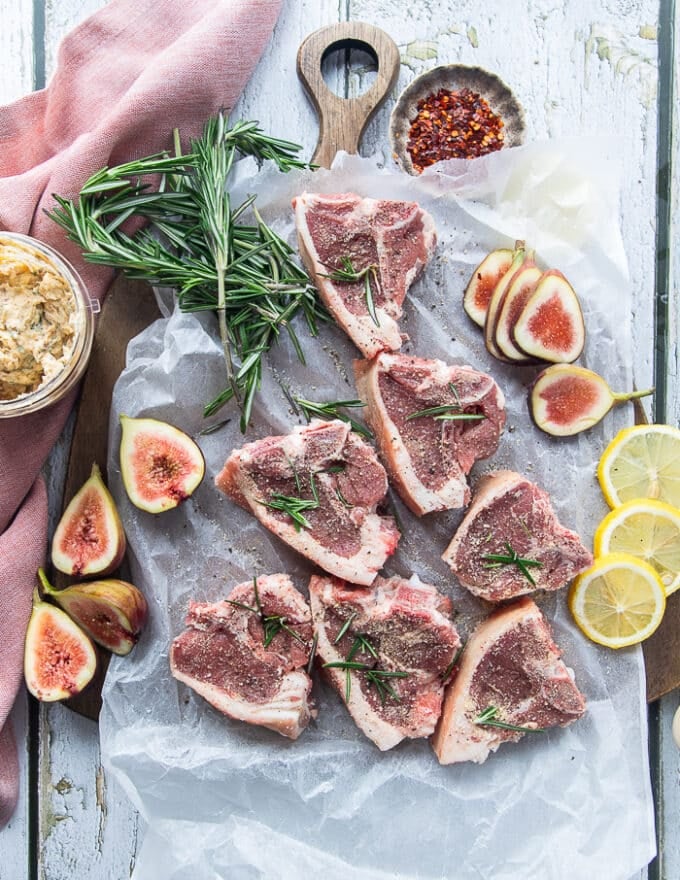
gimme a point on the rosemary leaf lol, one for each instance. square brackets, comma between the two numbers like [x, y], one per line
[332, 409]
[489, 718]
[345, 273]
[496, 560]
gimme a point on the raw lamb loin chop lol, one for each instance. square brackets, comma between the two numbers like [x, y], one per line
[510, 672]
[335, 481]
[401, 633]
[395, 238]
[248, 668]
[513, 519]
[428, 456]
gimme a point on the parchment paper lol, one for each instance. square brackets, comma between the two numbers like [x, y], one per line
[226, 800]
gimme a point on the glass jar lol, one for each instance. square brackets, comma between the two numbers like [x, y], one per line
[70, 366]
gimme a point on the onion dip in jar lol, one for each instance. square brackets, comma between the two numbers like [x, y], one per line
[46, 325]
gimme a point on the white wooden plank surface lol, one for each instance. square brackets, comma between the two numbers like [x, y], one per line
[577, 67]
[16, 54]
[668, 752]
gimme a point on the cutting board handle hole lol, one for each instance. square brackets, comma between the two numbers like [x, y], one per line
[349, 67]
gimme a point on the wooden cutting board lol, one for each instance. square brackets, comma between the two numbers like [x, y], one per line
[130, 307]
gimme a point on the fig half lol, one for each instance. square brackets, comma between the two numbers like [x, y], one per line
[59, 659]
[565, 400]
[484, 279]
[497, 299]
[518, 293]
[161, 466]
[89, 539]
[111, 612]
[551, 326]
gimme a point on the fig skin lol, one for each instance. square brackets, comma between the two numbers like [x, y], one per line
[59, 658]
[89, 539]
[112, 612]
[516, 296]
[497, 299]
[551, 285]
[487, 274]
[565, 400]
[161, 466]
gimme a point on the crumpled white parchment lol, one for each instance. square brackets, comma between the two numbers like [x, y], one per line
[226, 800]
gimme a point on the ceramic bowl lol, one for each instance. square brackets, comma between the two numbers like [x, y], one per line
[454, 77]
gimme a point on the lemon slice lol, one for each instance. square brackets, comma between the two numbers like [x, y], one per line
[648, 530]
[619, 601]
[642, 462]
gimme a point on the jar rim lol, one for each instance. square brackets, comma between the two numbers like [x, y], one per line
[67, 377]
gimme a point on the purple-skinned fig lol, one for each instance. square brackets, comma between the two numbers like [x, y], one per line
[481, 286]
[112, 612]
[59, 659]
[497, 298]
[550, 326]
[565, 400]
[516, 297]
[161, 466]
[89, 539]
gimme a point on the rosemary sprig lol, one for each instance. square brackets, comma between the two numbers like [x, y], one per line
[343, 629]
[447, 411]
[272, 624]
[332, 409]
[495, 560]
[452, 665]
[489, 718]
[312, 653]
[294, 505]
[375, 676]
[195, 241]
[347, 274]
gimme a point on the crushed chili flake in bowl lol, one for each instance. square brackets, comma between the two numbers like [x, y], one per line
[453, 112]
[453, 125]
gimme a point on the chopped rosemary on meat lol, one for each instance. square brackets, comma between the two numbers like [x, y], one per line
[452, 665]
[375, 676]
[496, 560]
[272, 624]
[343, 629]
[489, 718]
[448, 411]
[341, 498]
[293, 506]
[193, 240]
[332, 409]
[347, 274]
[312, 653]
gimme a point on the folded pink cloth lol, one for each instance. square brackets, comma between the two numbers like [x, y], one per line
[125, 78]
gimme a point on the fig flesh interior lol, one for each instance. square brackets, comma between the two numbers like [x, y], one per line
[551, 326]
[518, 294]
[161, 466]
[484, 279]
[59, 658]
[89, 538]
[566, 400]
[497, 299]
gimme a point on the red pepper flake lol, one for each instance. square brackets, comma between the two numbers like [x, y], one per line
[453, 125]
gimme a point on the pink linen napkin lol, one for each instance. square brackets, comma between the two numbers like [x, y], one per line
[125, 78]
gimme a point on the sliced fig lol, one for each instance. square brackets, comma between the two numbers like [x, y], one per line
[551, 326]
[497, 298]
[161, 466]
[484, 279]
[111, 612]
[59, 659]
[89, 538]
[565, 400]
[517, 295]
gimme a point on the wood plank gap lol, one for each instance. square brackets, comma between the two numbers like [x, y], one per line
[33, 787]
[38, 44]
[666, 50]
